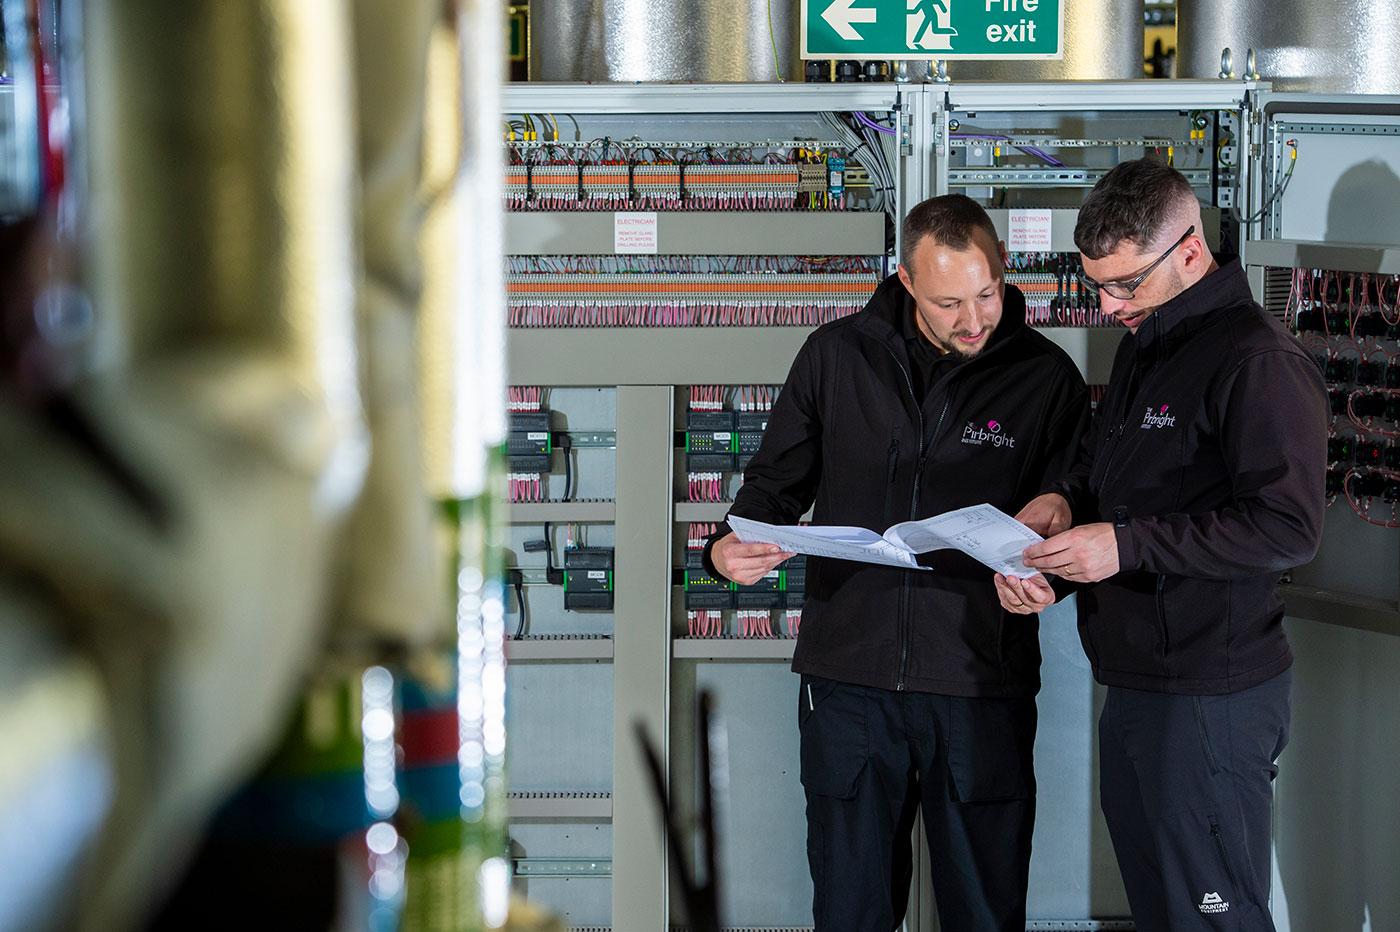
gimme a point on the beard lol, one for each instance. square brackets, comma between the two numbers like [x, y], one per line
[951, 347]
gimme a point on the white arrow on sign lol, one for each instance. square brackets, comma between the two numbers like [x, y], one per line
[840, 15]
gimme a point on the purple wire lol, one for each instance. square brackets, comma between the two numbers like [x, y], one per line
[1041, 154]
[866, 121]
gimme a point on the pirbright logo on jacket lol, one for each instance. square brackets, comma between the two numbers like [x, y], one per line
[977, 435]
[1159, 418]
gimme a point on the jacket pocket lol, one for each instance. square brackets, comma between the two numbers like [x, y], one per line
[834, 736]
[1195, 625]
[1122, 626]
[989, 743]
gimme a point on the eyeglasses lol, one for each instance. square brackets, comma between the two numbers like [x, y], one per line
[1124, 290]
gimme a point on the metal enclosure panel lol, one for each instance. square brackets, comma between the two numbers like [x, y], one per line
[703, 233]
[763, 853]
[654, 356]
[641, 691]
[580, 901]
[1343, 46]
[1346, 181]
[725, 99]
[687, 40]
[1100, 95]
[550, 752]
[1073, 871]
[1337, 822]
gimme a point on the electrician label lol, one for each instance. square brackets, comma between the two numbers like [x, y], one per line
[634, 232]
[1029, 230]
[933, 29]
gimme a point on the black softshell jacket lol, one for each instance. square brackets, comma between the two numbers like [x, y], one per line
[1209, 453]
[848, 437]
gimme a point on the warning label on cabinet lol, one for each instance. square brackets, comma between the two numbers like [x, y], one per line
[634, 232]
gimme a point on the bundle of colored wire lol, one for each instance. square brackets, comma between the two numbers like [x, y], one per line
[707, 397]
[705, 624]
[754, 623]
[685, 300]
[583, 314]
[517, 266]
[1361, 504]
[525, 487]
[556, 179]
[754, 398]
[524, 398]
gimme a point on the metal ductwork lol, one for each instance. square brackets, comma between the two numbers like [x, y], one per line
[1344, 47]
[686, 40]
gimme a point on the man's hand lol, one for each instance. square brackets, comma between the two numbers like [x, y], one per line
[745, 563]
[1084, 554]
[1024, 596]
[1046, 514]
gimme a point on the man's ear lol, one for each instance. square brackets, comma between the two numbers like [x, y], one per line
[906, 279]
[1195, 250]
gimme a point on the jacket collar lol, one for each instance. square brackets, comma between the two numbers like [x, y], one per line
[1190, 311]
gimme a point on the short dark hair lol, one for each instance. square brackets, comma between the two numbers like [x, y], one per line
[1130, 204]
[951, 220]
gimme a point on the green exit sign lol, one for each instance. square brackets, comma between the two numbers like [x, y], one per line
[932, 29]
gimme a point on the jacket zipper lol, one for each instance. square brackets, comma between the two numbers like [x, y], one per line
[918, 476]
[1162, 620]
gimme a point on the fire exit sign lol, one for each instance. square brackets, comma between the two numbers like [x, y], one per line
[931, 29]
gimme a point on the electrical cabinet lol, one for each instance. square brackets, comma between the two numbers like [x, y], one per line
[670, 247]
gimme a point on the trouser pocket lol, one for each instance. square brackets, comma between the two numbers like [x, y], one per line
[833, 725]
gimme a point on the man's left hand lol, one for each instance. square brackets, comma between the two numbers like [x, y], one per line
[1084, 554]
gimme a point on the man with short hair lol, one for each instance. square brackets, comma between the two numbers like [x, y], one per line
[917, 689]
[1201, 482]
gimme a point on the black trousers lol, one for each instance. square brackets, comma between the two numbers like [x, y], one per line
[870, 759]
[1186, 784]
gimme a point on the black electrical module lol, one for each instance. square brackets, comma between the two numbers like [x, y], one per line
[710, 441]
[751, 425]
[529, 443]
[588, 579]
[766, 593]
[704, 592]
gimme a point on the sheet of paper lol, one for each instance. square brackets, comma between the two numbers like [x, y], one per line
[987, 534]
[840, 543]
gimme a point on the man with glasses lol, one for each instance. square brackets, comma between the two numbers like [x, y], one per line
[1201, 481]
